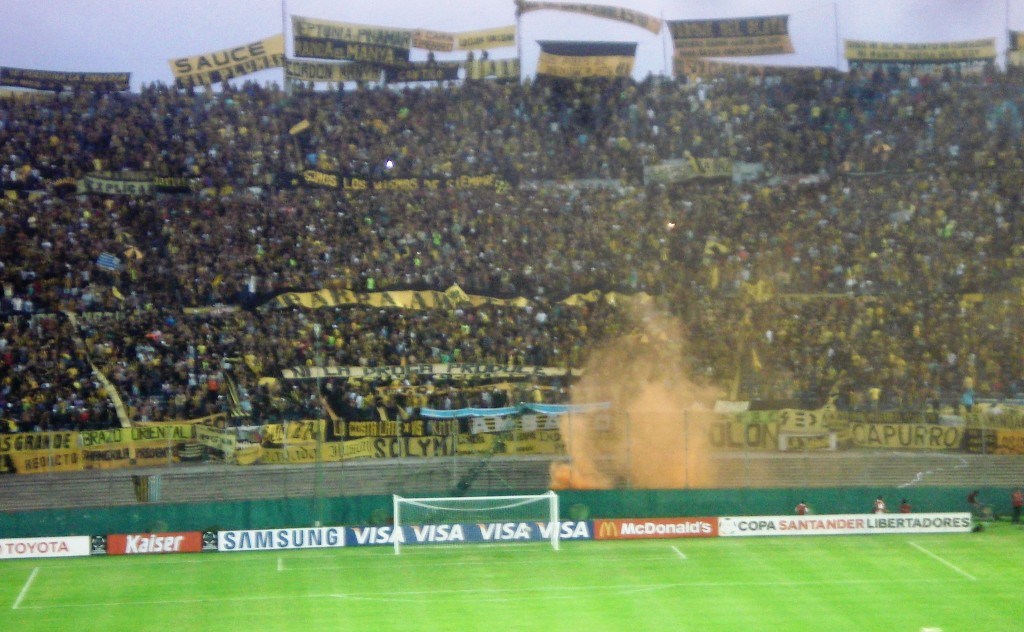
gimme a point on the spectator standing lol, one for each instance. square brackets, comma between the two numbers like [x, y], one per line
[1016, 501]
[879, 506]
[905, 506]
[801, 508]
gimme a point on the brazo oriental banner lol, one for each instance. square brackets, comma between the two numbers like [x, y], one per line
[324, 39]
[491, 38]
[619, 14]
[56, 81]
[905, 52]
[221, 65]
[582, 60]
[735, 37]
[318, 71]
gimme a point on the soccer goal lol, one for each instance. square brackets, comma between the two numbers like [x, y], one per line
[476, 519]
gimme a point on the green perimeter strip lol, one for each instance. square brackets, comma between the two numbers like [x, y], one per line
[575, 505]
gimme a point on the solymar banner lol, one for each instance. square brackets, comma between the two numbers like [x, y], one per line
[237, 61]
[490, 38]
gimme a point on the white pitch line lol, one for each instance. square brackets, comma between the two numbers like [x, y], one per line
[280, 563]
[679, 553]
[432, 594]
[944, 561]
[24, 589]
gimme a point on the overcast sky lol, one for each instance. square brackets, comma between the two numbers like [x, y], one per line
[139, 36]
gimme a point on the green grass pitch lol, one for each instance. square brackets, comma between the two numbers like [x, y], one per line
[889, 583]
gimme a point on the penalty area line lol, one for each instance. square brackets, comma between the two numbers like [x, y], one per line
[24, 589]
[943, 560]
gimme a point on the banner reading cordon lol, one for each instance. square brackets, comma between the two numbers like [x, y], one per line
[57, 80]
[217, 66]
[905, 52]
[318, 71]
[583, 60]
[619, 14]
[324, 39]
[736, 37]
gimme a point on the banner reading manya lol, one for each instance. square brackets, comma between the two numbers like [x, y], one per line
[736, 37]
[209, 68]
[619, 14]
[936, 52]
[581, 60]
[323, 39]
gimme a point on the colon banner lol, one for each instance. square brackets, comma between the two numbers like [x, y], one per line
[911, 53]
[318, 71]
[209, 68]
[492, 38]
[736, 37]
[56, 80]
[323, 39]
[580, 60]
[434, 71]
[619, 14]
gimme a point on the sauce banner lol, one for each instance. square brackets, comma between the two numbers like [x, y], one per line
[217, 66]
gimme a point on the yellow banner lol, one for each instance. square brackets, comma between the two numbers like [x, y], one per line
[493, 68]
[736, 435]
[584, 67]
[907, 436]
[293, 433]
[619, 14]
[347, 32]
[461, 370]
[433, 40]
[406, 299]
[208, 68]
[1009, 442]
[735, 37]
[970, 50]
[490, 38]
[43, 461]
[684, 170]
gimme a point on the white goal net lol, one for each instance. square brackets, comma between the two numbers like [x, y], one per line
[476, 519]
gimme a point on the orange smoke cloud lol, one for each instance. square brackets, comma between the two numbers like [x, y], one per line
[655, 435]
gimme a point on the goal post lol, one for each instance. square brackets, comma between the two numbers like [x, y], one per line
[476, 519]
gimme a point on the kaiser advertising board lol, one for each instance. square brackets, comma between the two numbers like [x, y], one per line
[27, 548]
[844, 524]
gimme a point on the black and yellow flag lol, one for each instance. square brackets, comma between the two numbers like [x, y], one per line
[581, 60]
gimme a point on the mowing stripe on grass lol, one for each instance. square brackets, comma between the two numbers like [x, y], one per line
[944, 561]
[24, 589]
[431, 595]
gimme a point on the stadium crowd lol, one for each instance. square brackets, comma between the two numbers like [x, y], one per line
[878, 257]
